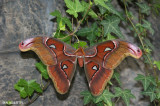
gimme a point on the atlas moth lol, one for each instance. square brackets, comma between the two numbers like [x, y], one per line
[98, 61]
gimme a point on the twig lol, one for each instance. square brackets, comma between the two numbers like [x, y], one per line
[81, 19]
[141, 41]
[34, 98]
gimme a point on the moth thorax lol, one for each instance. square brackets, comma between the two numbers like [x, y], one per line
[80, 61]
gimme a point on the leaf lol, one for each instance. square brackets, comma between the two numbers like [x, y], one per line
[110, 37]
[103, 7]
[90, 12]
[56, 13]
[9, 103]
[106, 97]
[63, 37]
[146, 58]
[101, 3]
[74, 7]
[147, 25]
[90, 33]
[113, 10]
[111, 25]
[100, 104]
[158, 93]
[80, 44]
[144, 8]
[117, 77]
[148, 50]
[87, 97]
[156, 8]
[149, 44]
[157, 63]
[21, 90]
[29, 86]
[61, 20]
[150, 92]
[127, 2]
[43, 69]
[146, 80]
[131, 16]
[68, 22]
[110, 83]
[125, 94]
[62, 26]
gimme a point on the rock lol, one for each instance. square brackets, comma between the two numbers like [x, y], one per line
[22, 19]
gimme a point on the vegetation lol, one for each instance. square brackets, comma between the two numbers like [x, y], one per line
[97, 21]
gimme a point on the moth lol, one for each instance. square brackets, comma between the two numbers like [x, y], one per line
[98, 61]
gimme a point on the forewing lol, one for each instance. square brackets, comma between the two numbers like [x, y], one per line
[100, 60]
[58, 56]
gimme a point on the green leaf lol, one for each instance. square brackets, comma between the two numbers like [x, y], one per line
[9, 103]
[149, 44]
[110, 37]
[80, 44]
[146, 58]
[131, 16]
[29, 86]
[106, 97]
[62, 26]
[103, 7]
[56, 13]
[90, 33]
[111, 25]
[110, 83]
[100, 104]
[113, 10]
[157, 64]
[43, 69]
[125, 94]
[74, 7]
[117, 77]
[158, 93]
[63, 37]
[127, 2]
[147, 25]
[67, 22]
[90, 12]
[21, 90]
[156, 7]
[61, 20]
[101, 3]
[144, 8]
[150, 92]
[87, 97]
[146, 80]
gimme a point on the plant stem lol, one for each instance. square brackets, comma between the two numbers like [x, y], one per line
[81, 20]
[76, 38]
[141, 41]
[72, 22]
[117, 100]
[64, 37]
[42, 82]
[34, 98]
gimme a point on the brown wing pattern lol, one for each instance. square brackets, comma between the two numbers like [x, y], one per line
[59, 58]
[104, 58]
[99, 61]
